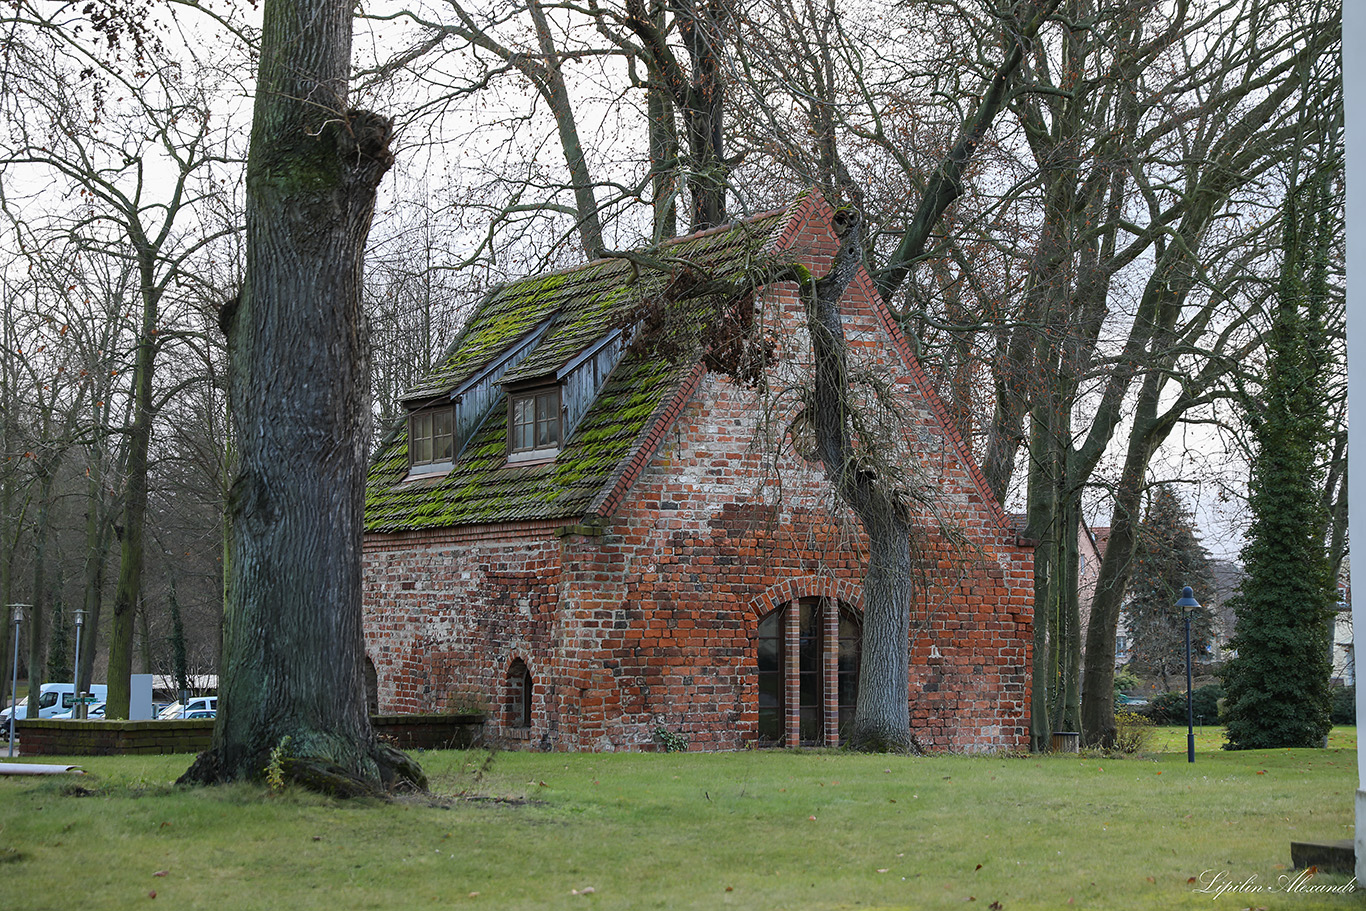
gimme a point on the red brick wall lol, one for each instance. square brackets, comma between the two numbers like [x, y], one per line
[650, 621]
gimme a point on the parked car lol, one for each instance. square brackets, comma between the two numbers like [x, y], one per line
[54, 699]
[1131, 701]
[202, 713]
[96, 711]
[197, 704]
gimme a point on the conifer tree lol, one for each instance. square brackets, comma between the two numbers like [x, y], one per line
[1278, 684]
[1169, 556]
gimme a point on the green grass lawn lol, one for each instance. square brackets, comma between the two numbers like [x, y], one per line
[763, 830]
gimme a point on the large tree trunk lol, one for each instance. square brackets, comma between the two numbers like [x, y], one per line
[293, 680]
[882, 714]
[37, 616]
[133, 531]
[663, 141]
[97, 540]
[553, 87]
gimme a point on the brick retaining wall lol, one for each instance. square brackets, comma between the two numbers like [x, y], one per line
[108, 738]
[46, 737]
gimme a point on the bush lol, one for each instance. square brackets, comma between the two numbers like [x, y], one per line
[1126, 679]
[1345, 705]
[1170, 708]
[1205, 702]
[1131, 731]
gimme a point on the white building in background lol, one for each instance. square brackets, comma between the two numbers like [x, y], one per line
[1344, 652]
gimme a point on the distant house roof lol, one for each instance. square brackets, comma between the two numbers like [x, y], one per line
[560, 317]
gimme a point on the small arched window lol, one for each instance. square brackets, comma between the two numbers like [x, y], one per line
[521, 687]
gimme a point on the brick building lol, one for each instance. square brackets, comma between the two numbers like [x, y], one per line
[596, 538]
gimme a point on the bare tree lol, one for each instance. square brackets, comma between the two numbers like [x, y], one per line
[135, 142]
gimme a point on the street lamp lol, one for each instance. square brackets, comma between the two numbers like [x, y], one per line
[76, 673]
[1188, 604]
[16, 615]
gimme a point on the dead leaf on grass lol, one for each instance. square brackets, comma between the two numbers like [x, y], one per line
[161, 872]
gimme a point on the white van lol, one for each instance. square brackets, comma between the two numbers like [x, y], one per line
[53, 699]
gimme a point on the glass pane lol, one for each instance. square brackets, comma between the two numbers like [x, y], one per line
[442, 436]
[812, 727]
[850, 635]
[545, 406]
[850, 654]
[772, 715]
[811, 671]
[770, 656]
[770, 725]
[420, 438]
[47, 700]
[528, 686]
[770, 692]
[521, 424]
[809, 647]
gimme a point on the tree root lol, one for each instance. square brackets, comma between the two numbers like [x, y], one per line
[873, 742]
[398, 774]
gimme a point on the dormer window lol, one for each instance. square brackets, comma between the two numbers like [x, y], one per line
[431, 440]
[534, 425]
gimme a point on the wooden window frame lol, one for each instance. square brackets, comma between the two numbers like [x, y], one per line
[435, 461]
[536, 451]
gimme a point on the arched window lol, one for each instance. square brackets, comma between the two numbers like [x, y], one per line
[371, 686]
[520, 687]
[801, 646]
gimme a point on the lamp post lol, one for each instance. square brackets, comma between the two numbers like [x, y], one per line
[17, 616]
[1188, 604]
[76, 673]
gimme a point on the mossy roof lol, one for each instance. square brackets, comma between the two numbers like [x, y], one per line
[582, 305]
